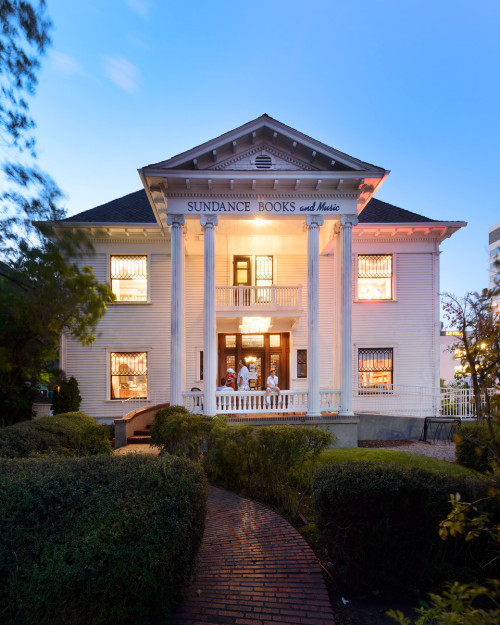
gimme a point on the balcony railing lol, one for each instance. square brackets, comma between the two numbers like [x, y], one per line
[258, 297]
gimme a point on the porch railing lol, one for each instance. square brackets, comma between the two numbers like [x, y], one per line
[255, 402]
[258, 297]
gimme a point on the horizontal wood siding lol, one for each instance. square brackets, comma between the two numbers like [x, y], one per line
[407, 325]
[125, 327]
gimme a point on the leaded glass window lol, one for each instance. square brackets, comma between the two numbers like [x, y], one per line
[375, 368]
[129, 277]
[375, 276]
[129, 375]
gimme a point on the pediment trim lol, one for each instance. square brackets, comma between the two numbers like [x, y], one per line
[264, 149]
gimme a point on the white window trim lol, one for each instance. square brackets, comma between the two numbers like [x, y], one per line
[118, 350]
[197, 358]
[377, 345]
[394, 279]
[108, 277]
[295, 376]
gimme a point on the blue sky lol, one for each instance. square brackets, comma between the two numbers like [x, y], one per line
[410, 86]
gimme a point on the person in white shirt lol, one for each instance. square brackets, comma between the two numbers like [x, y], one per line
[243, 377]
[272, 385]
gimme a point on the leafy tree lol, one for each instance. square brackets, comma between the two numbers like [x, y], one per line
[67, 397]
[478, 321]
[47, 297]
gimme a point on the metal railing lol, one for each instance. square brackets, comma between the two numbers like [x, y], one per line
[258, 297]
[416, 401]
[132, 404]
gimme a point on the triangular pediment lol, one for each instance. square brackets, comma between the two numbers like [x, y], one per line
[279, 147]
[262, 157]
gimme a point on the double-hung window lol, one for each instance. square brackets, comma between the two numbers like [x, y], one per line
[129, 277]
[129, 375]
[375, 369]
[375, 277]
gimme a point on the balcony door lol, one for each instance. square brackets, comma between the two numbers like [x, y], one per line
[242, 276]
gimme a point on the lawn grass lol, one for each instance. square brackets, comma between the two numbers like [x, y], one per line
[399, 458]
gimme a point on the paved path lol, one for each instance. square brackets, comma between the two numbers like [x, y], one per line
[254, 568]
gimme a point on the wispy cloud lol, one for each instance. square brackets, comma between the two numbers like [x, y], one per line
[64, 64]
[139, 6]
[121, 72]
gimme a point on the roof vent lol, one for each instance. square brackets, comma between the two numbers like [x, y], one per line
[264, 161]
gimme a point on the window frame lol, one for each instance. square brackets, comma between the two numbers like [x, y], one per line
[148, 266]
[127, 349]
[393, 278]
[300, 377]
[375, 390]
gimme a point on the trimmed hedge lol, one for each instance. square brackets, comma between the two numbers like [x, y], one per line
[177, 431]
[471, 449]
[70, 434]
[97, 540]
[380, 523]
[266, 462]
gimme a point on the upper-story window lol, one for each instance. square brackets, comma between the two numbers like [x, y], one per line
[264, 277]
[375, 274]
[129, 277]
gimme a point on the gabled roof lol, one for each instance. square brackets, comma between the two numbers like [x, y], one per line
[132, 208]
[135, 208]
[224, 151]
[380, 212]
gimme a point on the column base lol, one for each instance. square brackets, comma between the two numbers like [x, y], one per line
[346, 413]
[313, 414]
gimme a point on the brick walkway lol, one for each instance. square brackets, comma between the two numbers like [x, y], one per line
[254, 568]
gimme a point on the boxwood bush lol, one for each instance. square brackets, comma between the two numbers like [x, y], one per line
[177, 431]
[380, 524]
[472, 449]
[266, 462]
[70, 434]
[97, 540]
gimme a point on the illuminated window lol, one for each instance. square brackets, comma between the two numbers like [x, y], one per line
[302, 363]
[374, 276]
[375, 368]
[129, 375]
[459, 353]
[264, 277]
[129, 278]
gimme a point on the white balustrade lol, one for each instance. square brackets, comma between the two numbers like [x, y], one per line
[257, 297]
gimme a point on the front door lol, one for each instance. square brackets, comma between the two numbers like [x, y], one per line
[260, 353]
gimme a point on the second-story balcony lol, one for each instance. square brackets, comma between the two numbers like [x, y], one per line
[257, 299]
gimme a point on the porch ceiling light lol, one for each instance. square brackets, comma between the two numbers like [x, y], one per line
[253, 325]
[258, 221]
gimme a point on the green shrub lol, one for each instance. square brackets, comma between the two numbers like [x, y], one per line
[66, 397]
[177, 431]
[266, 462]
[71, 434]
[97, 540]
[471, 449]
[380, 525]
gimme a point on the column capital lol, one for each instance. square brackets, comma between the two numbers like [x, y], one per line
[348, 220]
[314, 220]
[175, 220]
[209, 221]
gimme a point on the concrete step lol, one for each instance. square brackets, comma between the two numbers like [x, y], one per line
[138, 440]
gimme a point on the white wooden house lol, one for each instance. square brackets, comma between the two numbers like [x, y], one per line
[265, 245]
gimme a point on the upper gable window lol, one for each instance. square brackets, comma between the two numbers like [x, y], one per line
[129, 277]
[375, 274]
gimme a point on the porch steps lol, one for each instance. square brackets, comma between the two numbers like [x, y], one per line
[140, 437]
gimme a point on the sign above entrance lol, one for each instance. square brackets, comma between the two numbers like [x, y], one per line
[259, 206]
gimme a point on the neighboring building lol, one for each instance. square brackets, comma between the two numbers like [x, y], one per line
[494, 257]
[451, 362]
[264, 245]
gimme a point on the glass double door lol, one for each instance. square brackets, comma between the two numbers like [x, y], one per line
[260, 353]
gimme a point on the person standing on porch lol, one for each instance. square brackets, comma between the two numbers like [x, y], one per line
[243, 377]
[272, 385]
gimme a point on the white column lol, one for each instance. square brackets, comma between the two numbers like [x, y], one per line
[208, 223]
[347, 222]
[313, 224]
[176, 223]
